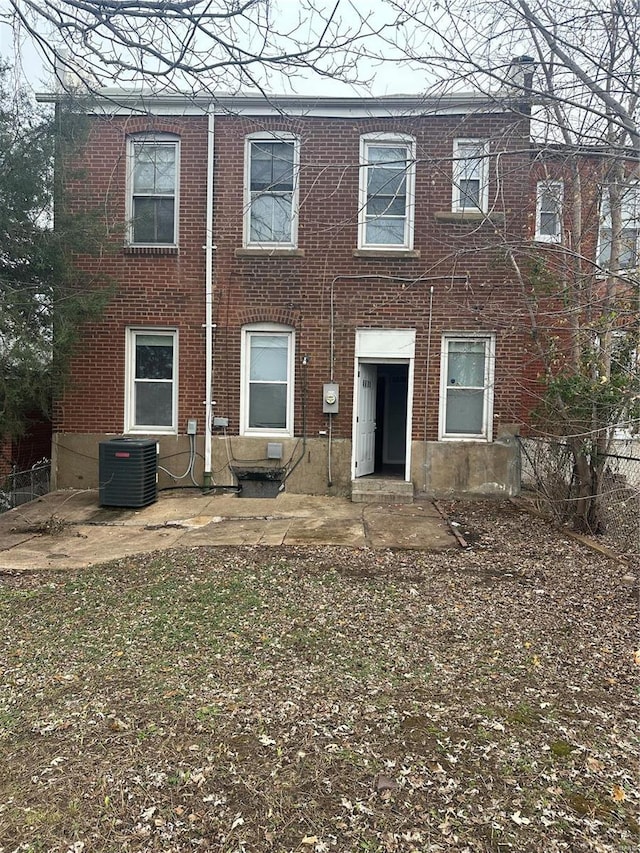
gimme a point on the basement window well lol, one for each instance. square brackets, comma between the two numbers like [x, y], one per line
[259, 482]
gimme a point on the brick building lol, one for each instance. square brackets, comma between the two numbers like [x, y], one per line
[313, 287]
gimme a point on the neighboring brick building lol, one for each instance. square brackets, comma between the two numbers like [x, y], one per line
[323, 280]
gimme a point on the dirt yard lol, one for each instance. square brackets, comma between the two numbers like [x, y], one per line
[320, 700]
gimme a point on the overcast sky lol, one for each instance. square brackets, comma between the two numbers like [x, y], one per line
[382, 79]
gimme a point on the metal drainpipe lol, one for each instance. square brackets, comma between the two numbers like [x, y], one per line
[208, 306]
[331, 371]
[426, 385]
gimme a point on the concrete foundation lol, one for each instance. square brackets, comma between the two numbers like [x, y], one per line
[439, 469]
[468, 469]
[74, 462]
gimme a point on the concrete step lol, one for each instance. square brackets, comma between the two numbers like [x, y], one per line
[381, 490]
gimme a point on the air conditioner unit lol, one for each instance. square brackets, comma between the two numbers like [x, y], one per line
[128, 472]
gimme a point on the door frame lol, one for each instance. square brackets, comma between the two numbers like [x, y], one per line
[384, 346]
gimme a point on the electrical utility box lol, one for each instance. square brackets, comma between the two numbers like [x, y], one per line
[128, 472]
[330, 398]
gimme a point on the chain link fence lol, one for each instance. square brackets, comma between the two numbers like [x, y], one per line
[547, 473]
[20, 487]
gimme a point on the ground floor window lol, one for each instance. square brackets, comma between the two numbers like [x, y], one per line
[266, 403]
[466, 389]
[151, 387]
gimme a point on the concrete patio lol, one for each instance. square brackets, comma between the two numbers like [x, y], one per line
[68, 529]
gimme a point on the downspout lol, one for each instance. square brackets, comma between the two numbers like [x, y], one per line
[331, 371]
[426, 385]
[208, 301]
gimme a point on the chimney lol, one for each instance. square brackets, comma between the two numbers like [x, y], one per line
[66, 73]
[520, 74]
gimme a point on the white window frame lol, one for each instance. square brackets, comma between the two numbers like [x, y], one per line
[250, 140]
[555, 190]
[458, 172]
[130, 425]
[625, 433]
[245, 364]
[605, 222]
[489, 341]
[387, 140]
[164, 139]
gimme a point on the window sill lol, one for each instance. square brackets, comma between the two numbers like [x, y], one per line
[549, 241]
[467, 439]
[386, 253]
[624, 272]
[463, 217]
[269, 252]
[150, 431]
[151, 250]
[272, 434]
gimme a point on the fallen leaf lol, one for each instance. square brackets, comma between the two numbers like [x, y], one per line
[618, 793]
[385, 783]
[516, 817]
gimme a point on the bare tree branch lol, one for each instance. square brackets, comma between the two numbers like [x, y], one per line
[203, 45]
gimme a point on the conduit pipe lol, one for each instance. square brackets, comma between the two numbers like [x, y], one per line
[208, 301]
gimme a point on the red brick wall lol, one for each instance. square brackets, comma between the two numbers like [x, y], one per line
[161, 289]
[566, 267]
[473, 284]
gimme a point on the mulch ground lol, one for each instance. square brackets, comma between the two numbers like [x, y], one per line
[325, 699]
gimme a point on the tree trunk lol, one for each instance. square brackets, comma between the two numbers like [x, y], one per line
[587, 517]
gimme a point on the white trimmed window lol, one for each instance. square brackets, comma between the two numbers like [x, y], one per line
[387, 179]
[625, 370]
[152, 197]
[466, 386]
[267, 367]
[151, 380]
[470, 175]
[630, 230]
[271, 191]
[549, 205]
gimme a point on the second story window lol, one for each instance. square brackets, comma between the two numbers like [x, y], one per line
[153, 190]
[387, 177]
[271, 193]
[549, 201]
[629, 250]
[470, 175]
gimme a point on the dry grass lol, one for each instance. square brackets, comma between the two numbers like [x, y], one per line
[257, 699]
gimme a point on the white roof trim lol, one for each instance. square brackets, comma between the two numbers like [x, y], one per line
[122, 102]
